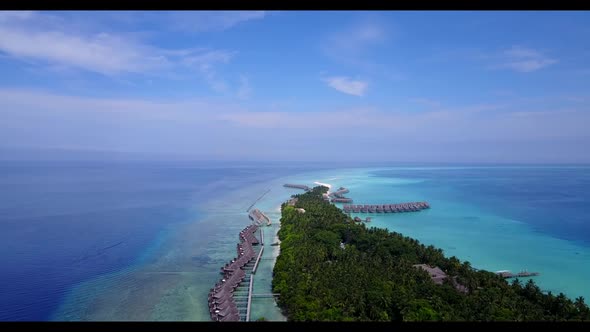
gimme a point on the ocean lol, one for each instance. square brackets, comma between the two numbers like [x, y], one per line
[145, 240]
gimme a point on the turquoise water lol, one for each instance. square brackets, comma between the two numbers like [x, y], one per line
[146, 243]
[499, 218]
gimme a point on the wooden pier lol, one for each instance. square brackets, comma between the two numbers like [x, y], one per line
[297, 186]
[507, 274]
[386, 208]
[256, 201]
[249, 305]
[338, 196]
[257, 260]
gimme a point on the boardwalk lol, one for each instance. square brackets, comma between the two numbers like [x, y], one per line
[386, 208]
[259, 217]
[249, 305]
[507, 274]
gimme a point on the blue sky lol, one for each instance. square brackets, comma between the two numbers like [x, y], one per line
[444, 86]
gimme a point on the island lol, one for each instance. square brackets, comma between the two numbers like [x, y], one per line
[331, 268]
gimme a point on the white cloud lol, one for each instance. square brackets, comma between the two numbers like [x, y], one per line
[203, 56]
[347, 85]
[524, 59]
[25, 99]
[101, 53]
[42, 119]
[204, 62]
[53, 43]
[157, 22]
[449, 126]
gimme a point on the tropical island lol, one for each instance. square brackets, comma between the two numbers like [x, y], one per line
[331, 268]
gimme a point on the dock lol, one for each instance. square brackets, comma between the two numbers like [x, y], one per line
[249, 305]
[340, 192]
[297, 186]
[257, 260]
[338, 196]
[386, 208]
[250, 295]
[256, 201]
[507, 274]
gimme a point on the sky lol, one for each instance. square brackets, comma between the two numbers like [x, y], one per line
[415, 86]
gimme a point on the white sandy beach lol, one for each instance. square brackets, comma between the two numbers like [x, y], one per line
[325, 185]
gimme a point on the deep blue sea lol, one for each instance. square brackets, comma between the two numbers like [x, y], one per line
[144, 240]
[62, 223]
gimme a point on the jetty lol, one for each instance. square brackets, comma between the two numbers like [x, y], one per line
[507, 274]
[222, 298]
[338, 196]
[340, 192]
[297, 186]
[386, 208]
[256, 201]
[259, 217]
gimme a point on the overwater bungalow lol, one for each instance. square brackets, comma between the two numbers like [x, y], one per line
[222, 306]
[342, 200]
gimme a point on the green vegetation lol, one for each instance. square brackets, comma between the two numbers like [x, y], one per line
[373, 277]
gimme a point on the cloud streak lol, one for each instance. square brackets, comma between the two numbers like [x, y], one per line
[52, 43]
[201, 127]
[101, 53]
[347, 85]
[524, 60]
